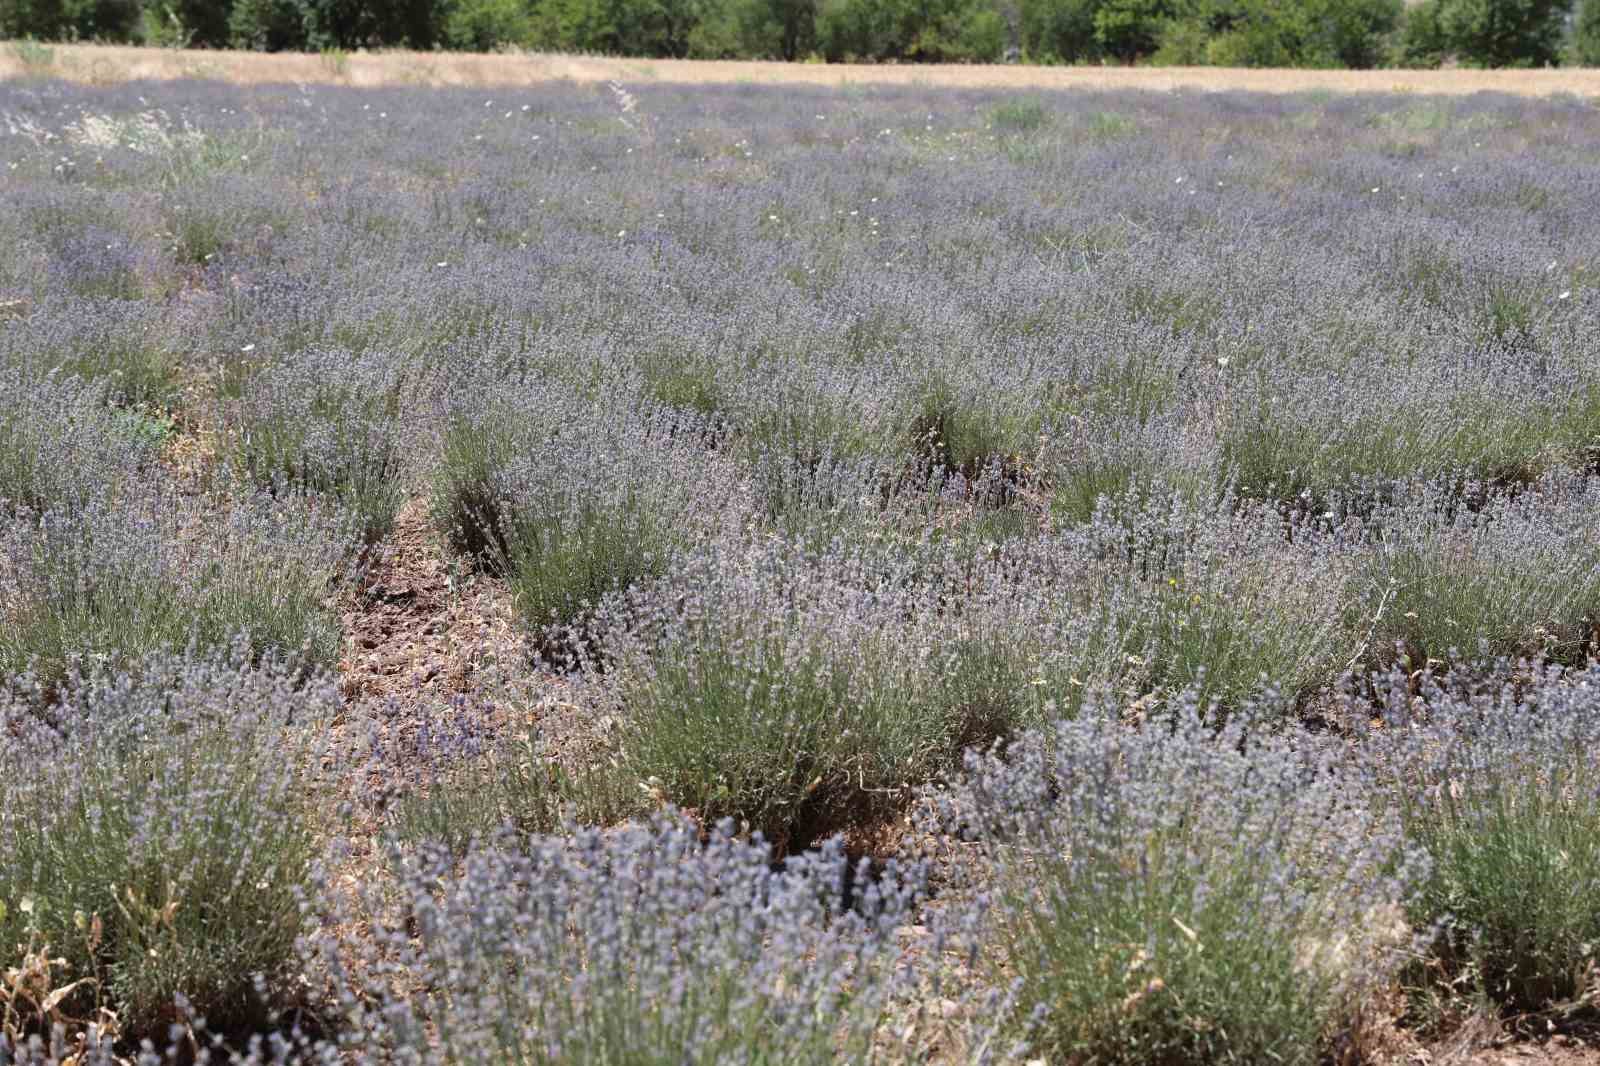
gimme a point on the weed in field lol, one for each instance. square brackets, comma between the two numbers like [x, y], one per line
[36, 58]
[1019, 115]
[336, 61]
[1110, 125]
[475, 781]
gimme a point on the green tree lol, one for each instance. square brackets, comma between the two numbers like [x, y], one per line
[859, 29]
[1351, 33]
[973, 33]
[203, 22]
[266, 25]
[1422, 41]
[55, 20]
[756, 29]
[925, 30]
[1586, 35]
[483, 25]
[1059, 31]
[359, 23]
[1504, 33]
[1132, 29]
[660, 28]
[1281, 33]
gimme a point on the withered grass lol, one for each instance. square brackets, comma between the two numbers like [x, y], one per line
[111, 64]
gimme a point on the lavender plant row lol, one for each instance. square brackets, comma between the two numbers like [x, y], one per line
[818, 439]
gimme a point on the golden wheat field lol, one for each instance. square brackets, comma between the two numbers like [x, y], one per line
[112, 63]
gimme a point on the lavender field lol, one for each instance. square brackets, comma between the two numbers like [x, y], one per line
[653, 574]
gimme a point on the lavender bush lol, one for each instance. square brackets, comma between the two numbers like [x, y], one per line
[660, 942]
[123, 343]
[328, 420]
[154, 570]
[157, 831]
[1519, 577]
[796, 691]
[1497, 781]
[573, 499]
[59, 447]
[1177, 895]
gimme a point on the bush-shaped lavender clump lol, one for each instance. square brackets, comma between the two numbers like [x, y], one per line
[659, 943]
[59, 446]
[572, 498]
[158, 570]
[798, 691]
[128, 345]
[1174, 895]
[804, 431]
[156, 834]
[327, 420]
[1216, 597]
[1521, 576]
[1499, 783]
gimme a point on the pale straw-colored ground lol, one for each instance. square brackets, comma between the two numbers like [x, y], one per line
[108, 64]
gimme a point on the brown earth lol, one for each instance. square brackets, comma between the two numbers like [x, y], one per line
[433, 645]
[108, 64]
[420, 630]
[1555, 1051]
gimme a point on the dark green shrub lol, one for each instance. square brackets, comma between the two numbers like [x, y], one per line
[940, 31]
[756, 29]
[1132, 29]
[1283, 33]
[1423, 42]
[483, 25]
[1060, 31]
[266, 25]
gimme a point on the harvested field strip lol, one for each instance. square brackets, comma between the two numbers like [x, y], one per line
[110, 64]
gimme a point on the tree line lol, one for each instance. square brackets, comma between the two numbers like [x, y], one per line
[1290, 33]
